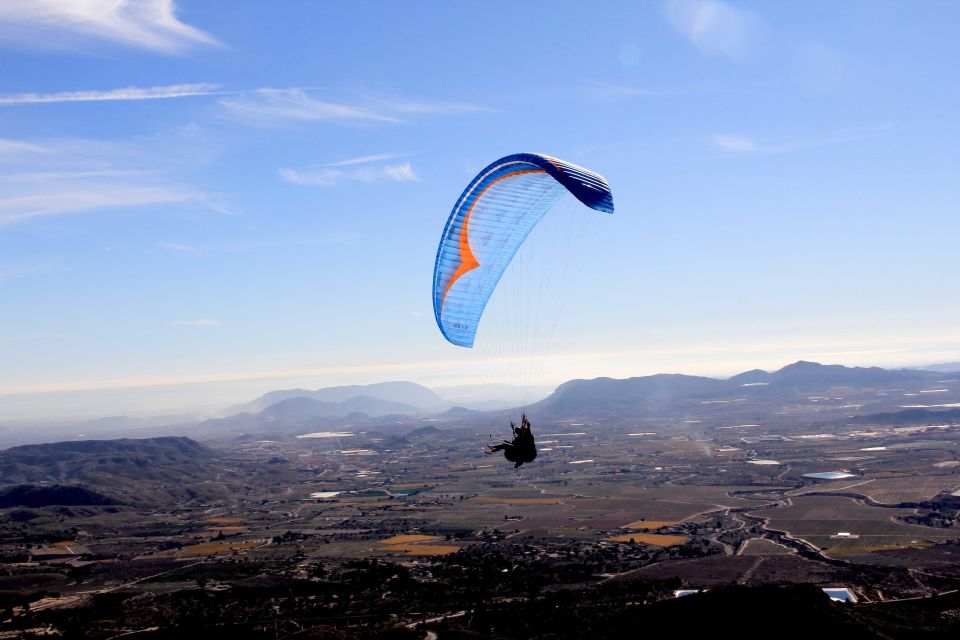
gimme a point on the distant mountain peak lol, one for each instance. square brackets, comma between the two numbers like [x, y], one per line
[412, 396]
[807, 364]
[751, 377]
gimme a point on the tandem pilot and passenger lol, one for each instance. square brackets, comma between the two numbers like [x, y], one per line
[522, 449]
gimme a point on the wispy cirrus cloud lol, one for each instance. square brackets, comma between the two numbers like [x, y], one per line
[16, 148]
[428, 107]
[197, 323]
[361, 169]
[45, 176]
[264, 106]
[745, 145]
[126, 93]
[332, 177]
[715, 28]
[363, 160]
[273, 107]
[734, 143]
[69, 176]
[264, 243]
[61, 201]
[610, 91]
[142, 24]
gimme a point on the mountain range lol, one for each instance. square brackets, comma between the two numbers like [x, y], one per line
[373, 399]
[657, 393]
[289, 411]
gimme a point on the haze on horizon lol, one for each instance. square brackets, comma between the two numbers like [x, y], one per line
[201, 202]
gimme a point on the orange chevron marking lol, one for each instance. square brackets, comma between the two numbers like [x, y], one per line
[468, 262]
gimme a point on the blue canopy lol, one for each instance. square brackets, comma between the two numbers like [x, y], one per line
[492, 218]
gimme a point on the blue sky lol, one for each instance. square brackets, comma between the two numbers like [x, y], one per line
[200, 201]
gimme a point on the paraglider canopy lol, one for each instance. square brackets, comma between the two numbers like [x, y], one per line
[490, 221]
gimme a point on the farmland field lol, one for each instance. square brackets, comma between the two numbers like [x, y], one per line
[408, 539]
[888, 490]
[650, 524]
[423, 549]
[213, 548]
[520, 500]
[724, 570]
[909, 489]
[818, 520]
[764, 547]
[581, 508]
[660, 540]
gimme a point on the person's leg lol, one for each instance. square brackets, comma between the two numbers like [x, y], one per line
[500, 447]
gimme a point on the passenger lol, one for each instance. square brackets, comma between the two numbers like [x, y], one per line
[522, 448]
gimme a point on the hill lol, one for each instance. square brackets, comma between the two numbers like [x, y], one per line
[409, 396]
[813, 376]
[666, 392]
[945, 367]
[631, 395]
[171, 467]
[28, 495]
[302, 407]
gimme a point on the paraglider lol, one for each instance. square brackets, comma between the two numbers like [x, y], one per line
[491, 219]
[489, 223]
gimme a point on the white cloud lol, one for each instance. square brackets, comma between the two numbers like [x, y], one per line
[127, 93]
[271, 107]
[734, 143]
[362, 160]
[739, 144]
[58, 200]
[145, 24]
[400, 172]
[19, 147]
[433, 108]
[332, 176]
[59, 177]
[197, 323]
[45, 176]
[715, 28]
[604, 90]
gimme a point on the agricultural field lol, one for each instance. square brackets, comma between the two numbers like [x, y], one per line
[823, 521]
[764, 547]
[584, 509]
[216, 548]
[908, 489]
[724, 570]
[890, 490]
[656, 539]
[642, 525]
